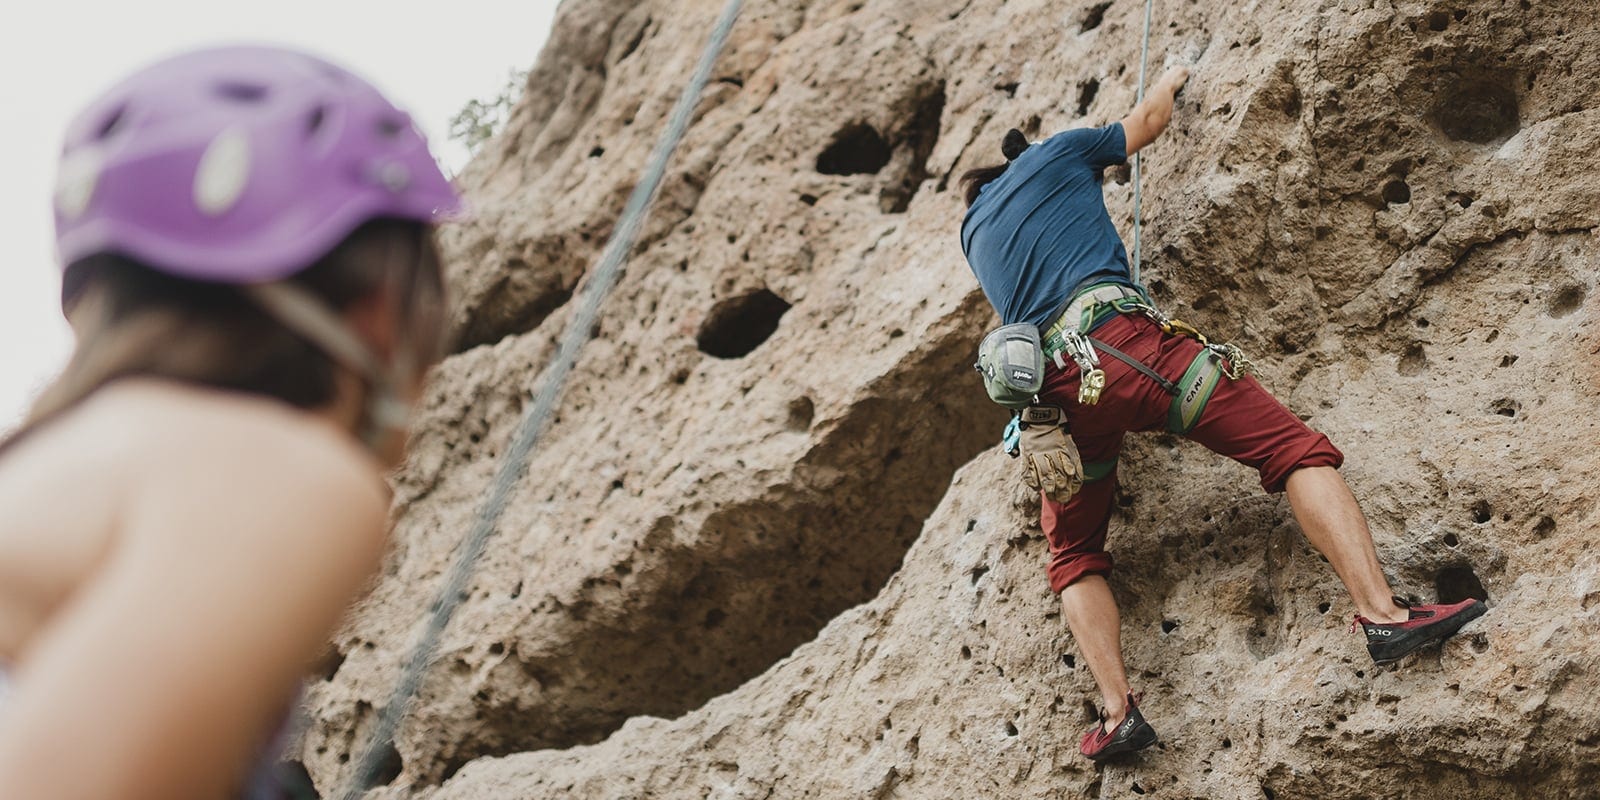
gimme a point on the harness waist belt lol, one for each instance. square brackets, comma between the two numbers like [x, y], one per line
[1079, 312]
[1086, 310]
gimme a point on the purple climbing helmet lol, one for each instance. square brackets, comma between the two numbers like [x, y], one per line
[239, 165]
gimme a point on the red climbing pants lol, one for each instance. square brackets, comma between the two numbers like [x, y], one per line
[1242, 421]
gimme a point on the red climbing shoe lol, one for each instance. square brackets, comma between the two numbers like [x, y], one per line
[1131, 735]
[1391, 641]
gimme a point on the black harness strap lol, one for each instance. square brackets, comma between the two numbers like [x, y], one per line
[1167, 386]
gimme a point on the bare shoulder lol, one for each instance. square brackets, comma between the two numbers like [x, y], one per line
[243, 455]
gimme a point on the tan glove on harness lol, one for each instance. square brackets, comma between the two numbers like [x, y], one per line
[1049, 456]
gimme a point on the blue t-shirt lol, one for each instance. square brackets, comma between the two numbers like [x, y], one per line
[1041, 230]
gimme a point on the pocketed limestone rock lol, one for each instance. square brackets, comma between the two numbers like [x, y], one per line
[767, 549]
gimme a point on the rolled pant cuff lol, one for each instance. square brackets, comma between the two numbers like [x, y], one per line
[1067, 569]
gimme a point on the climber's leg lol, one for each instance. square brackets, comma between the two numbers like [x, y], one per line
[1332, 521]
[1076, 533]
[1246, 423]
[1097, 628]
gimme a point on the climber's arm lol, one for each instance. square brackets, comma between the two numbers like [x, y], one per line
[1150, 117]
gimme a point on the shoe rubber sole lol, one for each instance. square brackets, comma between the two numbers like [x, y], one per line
[1435, 634]
[1142, 738]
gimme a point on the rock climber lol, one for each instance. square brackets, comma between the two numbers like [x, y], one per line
[246, 236]
[1038, 237]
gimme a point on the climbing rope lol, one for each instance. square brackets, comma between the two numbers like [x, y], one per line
[1144, 56]
[515, 463]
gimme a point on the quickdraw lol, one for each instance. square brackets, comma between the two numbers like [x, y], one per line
[1235, 364]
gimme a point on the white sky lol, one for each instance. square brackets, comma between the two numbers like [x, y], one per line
[56, 56]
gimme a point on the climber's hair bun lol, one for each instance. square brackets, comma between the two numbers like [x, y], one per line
[1013, 145]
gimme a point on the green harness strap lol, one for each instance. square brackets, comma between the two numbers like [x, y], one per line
[1098, 470]
[1195, 388]
[1190, 394]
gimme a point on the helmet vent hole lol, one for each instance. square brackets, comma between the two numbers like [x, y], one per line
[111, 124]
[315, 119]
[242, 92]
[390, 128]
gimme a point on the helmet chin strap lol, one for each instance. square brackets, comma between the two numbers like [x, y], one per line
[302, 312]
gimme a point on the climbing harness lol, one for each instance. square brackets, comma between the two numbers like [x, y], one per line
[515, 464]
[1066, 339]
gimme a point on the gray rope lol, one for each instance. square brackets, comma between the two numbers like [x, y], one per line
[1144, 56]
[515, 464]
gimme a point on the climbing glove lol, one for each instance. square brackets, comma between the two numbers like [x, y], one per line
[1049, 456]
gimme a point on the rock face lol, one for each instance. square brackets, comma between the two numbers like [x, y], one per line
[768, 550]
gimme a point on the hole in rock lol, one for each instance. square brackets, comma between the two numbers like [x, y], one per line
[1414, 362]
[857, 149]
[1094, 16]
[920, 137]
[497, 648]
[1477, 110]
[966, 652]
[1451, 540]
[1086, 92]
[1168, 626]
[597, 152]
[1544, 527]
[1324, 607]
[525, 295]
[331, 664]
[390, 765]
[801, 412]
[1566, 301]
[1439, 20]
[1069, 660]
[1136, 788]
[1505, 407]
[808, 199]
[1396, 192]
[1011, 728]
[1227, 743]
[1482, 512]
[1010, 88]
[978, 573]
[736, 326]
[1459, 583]
[293, 779]
[1506, 361]
[1267, 792]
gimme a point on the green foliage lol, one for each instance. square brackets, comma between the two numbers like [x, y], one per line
[479, 120]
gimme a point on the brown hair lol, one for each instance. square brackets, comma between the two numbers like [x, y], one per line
[132, 320]
[973, 180]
